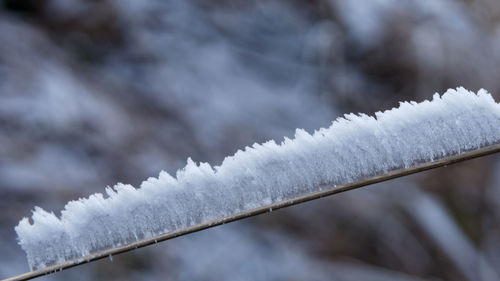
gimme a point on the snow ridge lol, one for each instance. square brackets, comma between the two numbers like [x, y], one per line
[352, 148]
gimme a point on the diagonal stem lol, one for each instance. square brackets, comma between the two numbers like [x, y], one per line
[261, 210]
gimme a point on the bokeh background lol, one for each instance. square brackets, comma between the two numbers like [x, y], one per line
[98, 92]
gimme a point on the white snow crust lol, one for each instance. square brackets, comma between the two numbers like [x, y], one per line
[353, 148]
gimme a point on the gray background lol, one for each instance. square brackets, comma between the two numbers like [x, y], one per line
[98, 92]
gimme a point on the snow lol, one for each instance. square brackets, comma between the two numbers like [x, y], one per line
[352, 148]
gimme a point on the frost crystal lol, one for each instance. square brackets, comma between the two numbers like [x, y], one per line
[352, 148]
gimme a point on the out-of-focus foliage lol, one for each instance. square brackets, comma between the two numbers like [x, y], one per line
[96, 92]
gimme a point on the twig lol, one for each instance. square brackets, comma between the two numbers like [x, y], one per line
[265, 209]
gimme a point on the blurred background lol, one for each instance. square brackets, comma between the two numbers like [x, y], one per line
[98, 92]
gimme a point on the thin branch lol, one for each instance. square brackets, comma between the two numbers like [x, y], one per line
[265, 209]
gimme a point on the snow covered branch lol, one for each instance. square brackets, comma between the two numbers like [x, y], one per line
[353, 148]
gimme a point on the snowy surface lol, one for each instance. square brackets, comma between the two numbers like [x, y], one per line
[352, 148]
